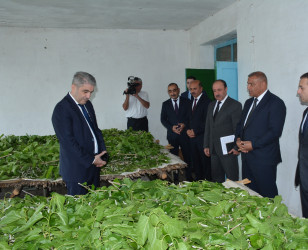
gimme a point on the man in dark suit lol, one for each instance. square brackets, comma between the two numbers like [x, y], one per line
[174, 116]
[187, 94]
[81, 141]
[198, 111]
[301, 177]
[221, 121]
[258, 133]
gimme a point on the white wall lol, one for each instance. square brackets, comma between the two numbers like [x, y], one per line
[37, 66]
[272, 38]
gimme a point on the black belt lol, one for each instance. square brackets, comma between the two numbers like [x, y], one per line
[131, 118]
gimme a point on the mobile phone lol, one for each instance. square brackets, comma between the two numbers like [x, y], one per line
[105, 157]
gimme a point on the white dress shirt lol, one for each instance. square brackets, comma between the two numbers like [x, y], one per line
[94, 137]
[135, 108]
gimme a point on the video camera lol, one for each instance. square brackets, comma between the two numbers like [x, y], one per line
[132, 84]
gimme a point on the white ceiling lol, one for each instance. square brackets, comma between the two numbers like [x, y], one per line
[108, 14]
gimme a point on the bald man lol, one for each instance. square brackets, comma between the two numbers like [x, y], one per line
[258, 134]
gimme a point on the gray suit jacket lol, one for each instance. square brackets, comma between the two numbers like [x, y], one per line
[225, 123]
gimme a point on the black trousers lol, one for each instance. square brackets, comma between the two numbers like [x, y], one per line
[138, 124]
[304, 201]
[304, 189]
[223, 166]
[262, 176]
[73, 188]
[201, 164]
[182, 141]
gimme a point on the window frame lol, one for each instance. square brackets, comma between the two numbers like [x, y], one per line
[224, 44]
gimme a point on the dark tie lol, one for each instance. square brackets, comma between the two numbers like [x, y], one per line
[176, 107]
[86, 115]
[305, 126]
[216, 110]
[195, 104]
[252, 109]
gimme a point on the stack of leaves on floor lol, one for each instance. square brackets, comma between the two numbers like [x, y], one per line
[37, 157]
[151, 215]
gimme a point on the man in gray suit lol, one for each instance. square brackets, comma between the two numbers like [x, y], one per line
[301, 177]
[222, 118]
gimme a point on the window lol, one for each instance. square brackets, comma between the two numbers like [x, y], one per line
[227, 51]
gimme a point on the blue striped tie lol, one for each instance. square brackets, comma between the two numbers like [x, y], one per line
[86, 115]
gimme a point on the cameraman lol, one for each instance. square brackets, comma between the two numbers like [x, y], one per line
[136, 106]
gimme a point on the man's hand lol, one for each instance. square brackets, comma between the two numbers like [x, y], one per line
[233, 152]
[207, 152]
[238, 142]
[191, 133]
[98, 161]
[175, 129]
[245, 146]
[182, 126]
[125, 104]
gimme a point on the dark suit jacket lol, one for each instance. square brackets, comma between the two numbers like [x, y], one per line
[198, 117]
[302, 165]
[76, 140]
[263, 129]
[225, 123]
[169, 118]
[185, 94]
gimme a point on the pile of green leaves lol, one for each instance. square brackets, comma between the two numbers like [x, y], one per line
[29, 157]
[37, 157]
[131, 150]
[151, 215]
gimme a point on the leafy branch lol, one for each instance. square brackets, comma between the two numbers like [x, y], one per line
[151, 215]
[37, 157]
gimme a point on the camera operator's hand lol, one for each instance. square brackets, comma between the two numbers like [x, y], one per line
[143, 102]
[125, 92]
[98, 162]
[125, 105]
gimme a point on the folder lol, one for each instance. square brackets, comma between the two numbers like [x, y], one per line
[227, 143]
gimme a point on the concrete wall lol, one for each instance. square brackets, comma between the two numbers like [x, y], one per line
[37, 66]
[271, 38]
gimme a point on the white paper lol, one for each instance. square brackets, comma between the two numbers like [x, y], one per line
[225, 140]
